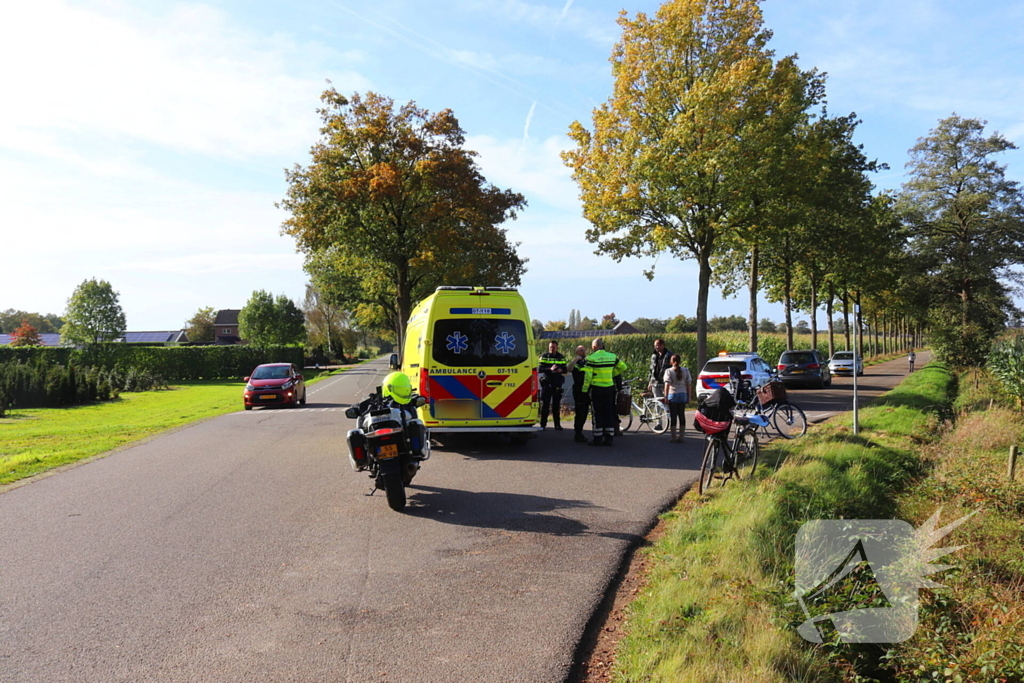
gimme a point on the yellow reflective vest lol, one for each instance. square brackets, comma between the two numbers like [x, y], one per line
[601, 369]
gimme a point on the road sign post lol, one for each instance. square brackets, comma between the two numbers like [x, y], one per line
[856, 360]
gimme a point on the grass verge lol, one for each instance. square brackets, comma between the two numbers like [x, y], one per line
[974, 631]
[36, 440]
[717, 605]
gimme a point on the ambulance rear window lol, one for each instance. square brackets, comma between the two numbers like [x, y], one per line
[473, 342]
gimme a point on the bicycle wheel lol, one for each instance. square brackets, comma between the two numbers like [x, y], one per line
[626, 421]
[657, 416]
[789, 421]
[747, 449]
[707, 466]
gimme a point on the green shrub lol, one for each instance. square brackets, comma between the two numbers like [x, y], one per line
[636, 349]
[169, 363]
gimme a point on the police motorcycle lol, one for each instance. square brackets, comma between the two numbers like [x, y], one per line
[389, 442]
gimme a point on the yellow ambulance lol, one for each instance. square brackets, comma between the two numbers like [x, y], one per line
[470, 352]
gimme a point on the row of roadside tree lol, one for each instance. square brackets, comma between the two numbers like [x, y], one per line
[709, 148]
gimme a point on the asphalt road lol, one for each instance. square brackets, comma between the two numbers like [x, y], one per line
[245, 549]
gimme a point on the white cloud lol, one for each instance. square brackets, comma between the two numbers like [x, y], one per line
[217, 263]
[532, 167]
[186, 79]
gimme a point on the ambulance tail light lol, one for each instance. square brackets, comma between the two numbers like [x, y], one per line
[536, 386]
[424, 383]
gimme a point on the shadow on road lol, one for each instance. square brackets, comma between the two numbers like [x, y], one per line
[506, 511]
[633, 449]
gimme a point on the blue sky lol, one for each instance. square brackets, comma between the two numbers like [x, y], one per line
[144, 143]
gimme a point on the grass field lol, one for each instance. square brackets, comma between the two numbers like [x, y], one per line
[717, 604]
[37, 440]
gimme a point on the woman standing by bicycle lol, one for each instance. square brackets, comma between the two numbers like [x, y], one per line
[677, 395]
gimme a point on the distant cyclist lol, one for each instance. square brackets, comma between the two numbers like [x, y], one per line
[911, 357]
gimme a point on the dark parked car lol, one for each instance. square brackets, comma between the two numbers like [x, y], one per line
[274, 384]
[806, 367]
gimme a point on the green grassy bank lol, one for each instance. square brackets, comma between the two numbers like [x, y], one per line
[36, 440]
[718, 606]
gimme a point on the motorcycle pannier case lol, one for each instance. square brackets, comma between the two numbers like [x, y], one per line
[357, 449]
[417, 433]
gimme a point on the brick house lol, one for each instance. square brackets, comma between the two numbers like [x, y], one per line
[226, 327]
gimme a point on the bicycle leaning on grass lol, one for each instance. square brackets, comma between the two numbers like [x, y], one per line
[722, 461]
[771, 402]
[650, 411]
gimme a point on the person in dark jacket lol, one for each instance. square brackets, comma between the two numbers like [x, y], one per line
[659, 363]
[552, 369]
[581, 398]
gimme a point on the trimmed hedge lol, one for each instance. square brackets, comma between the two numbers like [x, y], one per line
[636, 349]
[172, 363]
[53, 386]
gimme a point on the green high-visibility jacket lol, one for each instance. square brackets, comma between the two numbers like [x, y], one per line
[601, 370]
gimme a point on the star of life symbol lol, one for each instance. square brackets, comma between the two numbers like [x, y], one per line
[457, 342]
[505, 342]
[885, 559]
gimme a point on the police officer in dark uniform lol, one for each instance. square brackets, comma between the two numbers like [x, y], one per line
[552, 369]
[580, 398]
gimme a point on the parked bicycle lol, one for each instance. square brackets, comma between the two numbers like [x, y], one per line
[771, 402]
[650, 411]
[723, 461]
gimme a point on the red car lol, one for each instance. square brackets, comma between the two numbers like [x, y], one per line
[274, 384]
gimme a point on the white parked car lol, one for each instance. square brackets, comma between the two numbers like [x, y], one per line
[842, 363]
[715, 374]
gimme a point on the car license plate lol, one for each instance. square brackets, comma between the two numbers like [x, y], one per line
[268, 397]
[798, 372]
[388, 451]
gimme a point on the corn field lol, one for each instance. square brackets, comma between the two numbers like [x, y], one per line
[1006, 363]
[636, 349]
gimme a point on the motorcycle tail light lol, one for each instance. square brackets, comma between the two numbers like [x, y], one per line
[359, 453]
[387, 431]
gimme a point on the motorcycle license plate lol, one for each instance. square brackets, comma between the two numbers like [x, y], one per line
[388, 451]
[268, 397]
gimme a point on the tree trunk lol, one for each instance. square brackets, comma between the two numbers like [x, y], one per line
[753, 286]
[858, 321]
[787, 289]
[703, 287]
[846, 318]
[403, 302]
[814, 314]
[830, 311]
[874, 330]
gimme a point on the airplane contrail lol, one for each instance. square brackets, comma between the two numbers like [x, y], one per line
[529, 119]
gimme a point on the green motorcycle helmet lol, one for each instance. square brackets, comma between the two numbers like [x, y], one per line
[397, 387]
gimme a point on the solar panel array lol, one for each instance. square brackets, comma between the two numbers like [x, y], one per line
[48, 339]
[573, 334]
[151, 337]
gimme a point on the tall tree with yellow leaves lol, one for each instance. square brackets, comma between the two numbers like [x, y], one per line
[676, 150]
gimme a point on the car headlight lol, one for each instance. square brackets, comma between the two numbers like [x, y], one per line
[287, 385]
[249, 387]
